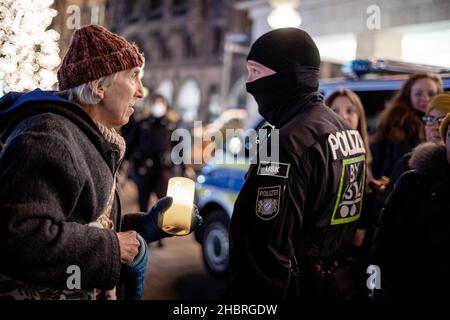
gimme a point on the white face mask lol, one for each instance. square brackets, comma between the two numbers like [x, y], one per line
[159, 109]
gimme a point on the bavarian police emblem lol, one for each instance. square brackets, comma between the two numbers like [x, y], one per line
[268, 202]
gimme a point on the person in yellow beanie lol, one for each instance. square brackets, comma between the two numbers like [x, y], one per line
[436, 110]
[438, 107]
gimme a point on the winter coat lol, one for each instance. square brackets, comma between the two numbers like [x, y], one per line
[56, 176]
[386, 154]
[412, 240]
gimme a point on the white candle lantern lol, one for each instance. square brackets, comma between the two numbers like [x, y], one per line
[177, 219]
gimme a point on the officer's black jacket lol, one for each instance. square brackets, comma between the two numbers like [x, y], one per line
[306, 204]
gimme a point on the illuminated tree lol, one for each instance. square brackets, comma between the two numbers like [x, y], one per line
[28, 52]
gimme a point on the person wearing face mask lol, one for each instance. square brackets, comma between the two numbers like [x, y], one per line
[159, 107]
[296, 215]
[149, 148]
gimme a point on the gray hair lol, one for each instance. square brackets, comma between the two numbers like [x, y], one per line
[83, 94]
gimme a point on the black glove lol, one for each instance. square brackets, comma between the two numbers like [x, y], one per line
[152, 223]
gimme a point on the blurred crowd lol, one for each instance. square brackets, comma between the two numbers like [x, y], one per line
[404, 224]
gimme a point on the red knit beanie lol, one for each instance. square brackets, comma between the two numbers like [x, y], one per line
[95, 52]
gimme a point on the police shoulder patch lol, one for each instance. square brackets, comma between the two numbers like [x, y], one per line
[351, 191]
[268, 202]
[275, 169]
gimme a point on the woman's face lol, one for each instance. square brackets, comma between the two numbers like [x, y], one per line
[434, 118]
[422, 91]
[346, 110]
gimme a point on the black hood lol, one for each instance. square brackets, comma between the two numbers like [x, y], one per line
[16, 106]
[294, 57]
[16, 100]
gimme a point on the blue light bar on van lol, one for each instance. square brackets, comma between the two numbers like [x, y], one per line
[360, 67]
[357, 67]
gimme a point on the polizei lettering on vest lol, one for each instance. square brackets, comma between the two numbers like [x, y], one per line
[268, 193]
[346, 143]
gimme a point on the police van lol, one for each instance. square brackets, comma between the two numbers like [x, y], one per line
[217, 188]
[374, 81]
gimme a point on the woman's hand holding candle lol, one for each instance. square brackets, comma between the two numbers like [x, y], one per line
[152, 229]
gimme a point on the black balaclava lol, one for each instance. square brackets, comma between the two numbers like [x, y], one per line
[294, 56]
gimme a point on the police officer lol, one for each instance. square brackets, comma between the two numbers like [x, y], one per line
[149, 147]
[296, 216]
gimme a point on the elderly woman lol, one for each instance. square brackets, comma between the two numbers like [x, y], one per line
[62, 234]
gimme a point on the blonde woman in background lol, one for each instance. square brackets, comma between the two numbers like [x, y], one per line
[349, 107]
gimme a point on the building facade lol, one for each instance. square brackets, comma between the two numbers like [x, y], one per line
[361, 28]
[195, 49]
[183, 42]
[72, 14]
